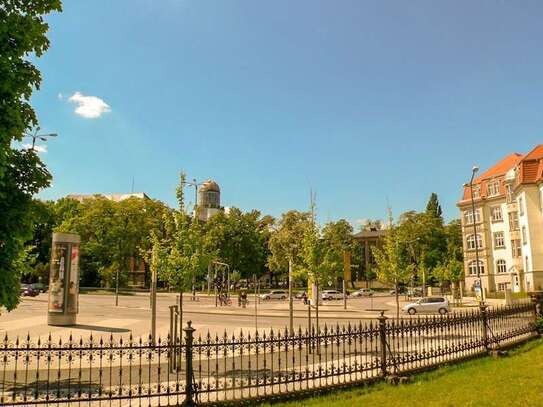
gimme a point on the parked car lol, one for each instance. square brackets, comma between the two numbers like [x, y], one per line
[275, 295]
[331, 295]
[428, 305]
[42, 288]
[28, 291]
[401, 290]
[363, 292]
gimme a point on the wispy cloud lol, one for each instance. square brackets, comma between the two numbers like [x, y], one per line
[37, 148]
[89, 107]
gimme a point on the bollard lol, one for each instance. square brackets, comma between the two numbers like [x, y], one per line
[383, 337]
[189, 380]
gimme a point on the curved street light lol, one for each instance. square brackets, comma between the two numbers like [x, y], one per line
[474, 171]
[36, 136]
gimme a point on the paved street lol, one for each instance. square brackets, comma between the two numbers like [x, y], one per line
[98, 314]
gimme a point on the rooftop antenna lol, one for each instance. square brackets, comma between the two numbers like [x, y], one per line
[312, 204]
[389, 215]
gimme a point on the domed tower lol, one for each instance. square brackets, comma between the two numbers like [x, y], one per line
[209, 199]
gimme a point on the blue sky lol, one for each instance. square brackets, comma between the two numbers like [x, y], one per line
[361, 101]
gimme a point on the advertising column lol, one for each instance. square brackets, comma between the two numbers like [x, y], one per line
[64, 279]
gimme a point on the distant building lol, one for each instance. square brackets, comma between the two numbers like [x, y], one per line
[209, 200]
[367, 239]
[508, 222]
[111, 197]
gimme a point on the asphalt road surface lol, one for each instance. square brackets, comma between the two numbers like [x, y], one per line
[99, 315]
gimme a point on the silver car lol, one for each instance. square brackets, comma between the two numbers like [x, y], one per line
[332, 295]
[428, 305]
[363, 292]
[275, 295]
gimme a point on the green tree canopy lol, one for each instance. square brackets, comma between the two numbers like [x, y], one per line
[239, 239]
[112, 233]
[393, 261]
[433, 208]
[22, 174]
[286, 241]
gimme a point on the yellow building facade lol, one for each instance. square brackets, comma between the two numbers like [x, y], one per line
[506, 226]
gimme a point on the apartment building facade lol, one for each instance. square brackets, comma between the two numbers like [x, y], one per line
[507, 225]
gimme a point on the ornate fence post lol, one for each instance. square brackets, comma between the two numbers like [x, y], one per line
[383, 338]
[484, 325]
[537, 301]
[189, 387]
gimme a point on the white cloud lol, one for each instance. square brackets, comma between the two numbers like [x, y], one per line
[37, 148]
[60, 96]
[89, 107]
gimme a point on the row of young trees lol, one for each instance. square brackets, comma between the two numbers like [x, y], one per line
[180, 247]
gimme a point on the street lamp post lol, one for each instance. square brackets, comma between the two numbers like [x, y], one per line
[473, 172]
[290, 304]
[36, 136]
[195, 184]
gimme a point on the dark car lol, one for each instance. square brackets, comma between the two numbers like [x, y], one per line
[40, 287]
[28, 291]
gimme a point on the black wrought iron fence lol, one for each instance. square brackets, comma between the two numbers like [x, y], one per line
[206, 369]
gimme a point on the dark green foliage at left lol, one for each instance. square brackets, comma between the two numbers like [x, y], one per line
[22, 174]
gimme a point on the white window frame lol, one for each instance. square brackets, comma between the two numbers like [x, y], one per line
[468, 216]
[493, 188]
[476, 191]
[501, 266]
[524, 235]
[520, 206]
[473, 240]
[499, 240]
[509, 193]
[496, 210]
[513, 221]
[472, 267]
[516, 248]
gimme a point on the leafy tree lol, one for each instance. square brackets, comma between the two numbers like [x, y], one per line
[22, 174]
[453, 234]
[424, 236]
[337, 238]
[188, 257]
[450, 272]
[312, 254]
[113, 234]
[39, 247]
[239, 240]
[433, 208]
[285, 241]
[371, 224]
[452, 269]
[393, 262]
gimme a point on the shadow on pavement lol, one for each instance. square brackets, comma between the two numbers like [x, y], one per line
[101, 328]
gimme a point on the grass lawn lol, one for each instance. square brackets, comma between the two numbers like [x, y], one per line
[514, 380]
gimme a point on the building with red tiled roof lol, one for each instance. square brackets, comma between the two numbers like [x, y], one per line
[507, 225]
